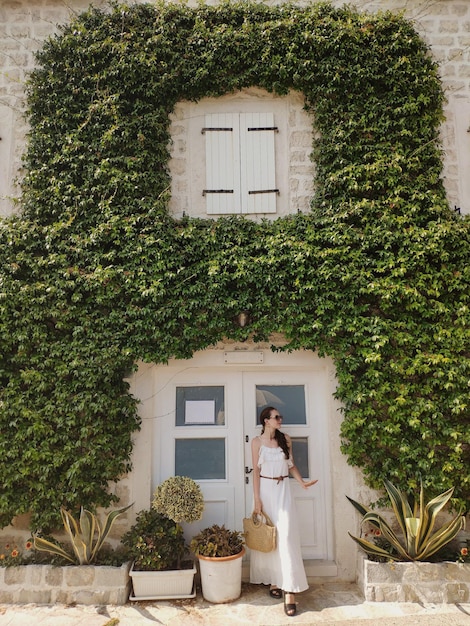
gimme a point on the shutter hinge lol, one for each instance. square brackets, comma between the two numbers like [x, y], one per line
[204, 130]
[206, 191]
[250, 193]
[275, 128]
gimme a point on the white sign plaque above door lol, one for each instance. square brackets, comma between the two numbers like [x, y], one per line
[243, 357]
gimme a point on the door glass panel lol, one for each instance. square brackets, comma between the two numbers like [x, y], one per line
[289, 400]
[300, 453]
[200, 406]
[200, 459]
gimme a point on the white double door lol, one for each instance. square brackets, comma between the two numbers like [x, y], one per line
[205, 417]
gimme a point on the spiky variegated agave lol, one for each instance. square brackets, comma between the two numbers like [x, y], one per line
[87, 536]
[419, 541]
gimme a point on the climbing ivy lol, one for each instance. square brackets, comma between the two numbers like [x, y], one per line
[95, 274]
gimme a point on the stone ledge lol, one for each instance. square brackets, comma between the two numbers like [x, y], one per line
[80, 584]
[438, 583]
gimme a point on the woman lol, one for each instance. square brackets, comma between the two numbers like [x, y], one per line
[282, 568]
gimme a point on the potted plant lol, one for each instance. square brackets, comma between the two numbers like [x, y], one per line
[220, 552]
[162, 568]
[404, 557]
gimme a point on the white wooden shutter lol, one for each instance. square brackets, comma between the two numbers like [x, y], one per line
[258, 172]
[222, 191]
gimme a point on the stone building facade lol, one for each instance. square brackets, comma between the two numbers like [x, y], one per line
[445, 26]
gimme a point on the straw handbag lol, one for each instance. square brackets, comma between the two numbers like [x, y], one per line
[259, 534]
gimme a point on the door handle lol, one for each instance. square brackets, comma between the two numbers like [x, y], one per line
[248, 471]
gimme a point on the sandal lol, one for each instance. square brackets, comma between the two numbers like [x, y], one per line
[275, 592]
[289, 609]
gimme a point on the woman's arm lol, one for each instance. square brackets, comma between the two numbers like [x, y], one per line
[255, 446]
[295, 472]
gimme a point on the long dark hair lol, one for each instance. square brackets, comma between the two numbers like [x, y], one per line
[278, 435]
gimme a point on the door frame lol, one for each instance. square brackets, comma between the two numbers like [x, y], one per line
[251, 358]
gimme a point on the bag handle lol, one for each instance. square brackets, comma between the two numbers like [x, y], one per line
[258, 522]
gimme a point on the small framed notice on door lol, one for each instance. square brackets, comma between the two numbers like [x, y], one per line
[199, 412]
[200, 405]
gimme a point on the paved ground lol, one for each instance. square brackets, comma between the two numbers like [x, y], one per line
[326, 605]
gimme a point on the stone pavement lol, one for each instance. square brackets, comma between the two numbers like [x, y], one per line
[323, 605]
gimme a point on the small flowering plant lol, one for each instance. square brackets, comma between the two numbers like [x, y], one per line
[462, 556]
[374, 537]
[12, 554]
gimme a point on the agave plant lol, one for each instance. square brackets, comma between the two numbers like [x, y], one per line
[419, 542]
[87, 536]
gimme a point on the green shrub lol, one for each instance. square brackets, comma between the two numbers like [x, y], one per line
[179, 498]
[154, 542]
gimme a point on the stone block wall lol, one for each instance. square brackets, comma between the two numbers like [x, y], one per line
[439, 583]
[81, 584]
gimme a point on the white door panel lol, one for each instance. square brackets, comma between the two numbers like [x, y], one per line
[311, 503]
[199, 447]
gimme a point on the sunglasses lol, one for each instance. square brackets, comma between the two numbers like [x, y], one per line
[276, 417]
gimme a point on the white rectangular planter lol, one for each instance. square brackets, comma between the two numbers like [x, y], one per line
[163, 585]
[79, 584]
[438, 583]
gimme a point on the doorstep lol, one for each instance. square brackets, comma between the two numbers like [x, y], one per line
[317, 570]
